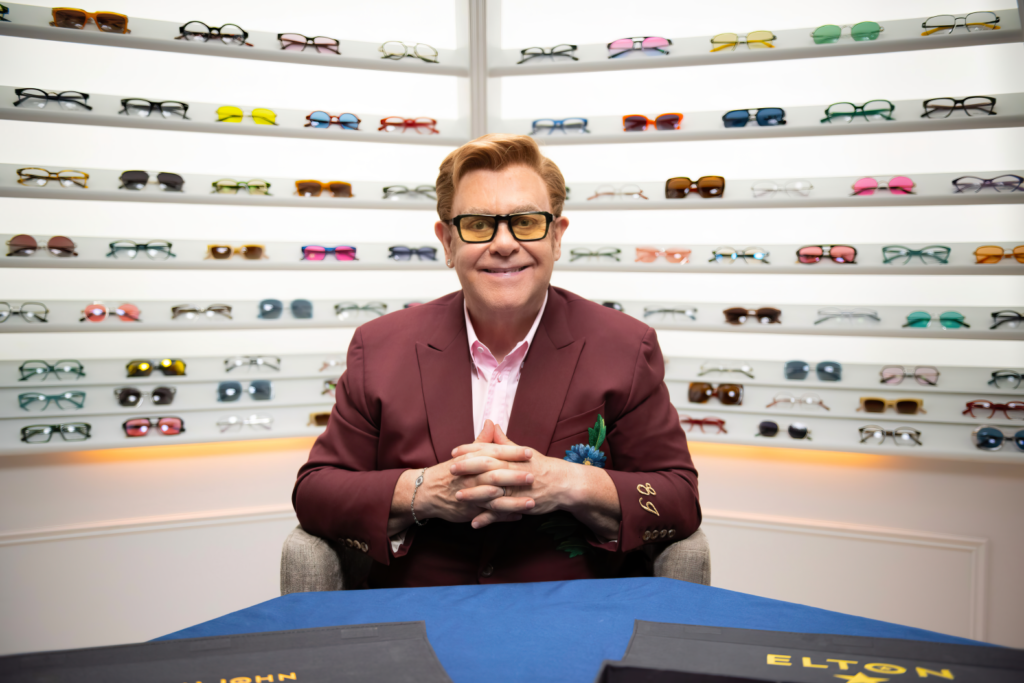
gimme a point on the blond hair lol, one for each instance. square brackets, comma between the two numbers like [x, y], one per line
[494, 152]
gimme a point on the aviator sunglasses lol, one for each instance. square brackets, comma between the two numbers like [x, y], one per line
[26, 245]
[830, 33]
[643, 44]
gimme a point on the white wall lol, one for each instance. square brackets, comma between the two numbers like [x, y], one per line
[118, 546]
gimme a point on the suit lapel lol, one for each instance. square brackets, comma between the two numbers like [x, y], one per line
[445, 377]
[547, 373]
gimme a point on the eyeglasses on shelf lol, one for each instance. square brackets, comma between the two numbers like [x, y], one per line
[767, 116]
[525, 227]
[793, 188]
[271, 309]
[663, 313]
[901, 436]
[222, 252]
[897, 185]
[314, 252]
[707, 367]
[137, 180]
[30, 311]
[253, 187]
[69, 431]
[838, 253]
[946, 23]
[402, 253]
[632, 123]
[347, 309]
[563, 50]
[140, 426]
[67, 400]
[418, 192]
[932, 255]
[845, 112]
[727, 394]
[949, 320]
[321, 119]
[903, 406]
[331, 363]
[943, 107]
[826, 370]
[157, 250]
[786, 400]
[130, 397]
[795, 430]
[296, 42]
[670, 254]
[4, 9]
[70, 100]
[1011, 410]
[396, 49]
[39, 177]
[847, 315]
[706, 186]
[330, 387]
[258, 390]
[644, 44]
[318, 419]
[578, 253]
[1012, 319]
[994, 254]
[701, 422]
[107, 22]
[765, 316]
[422, 125]
[261, 116]
[249, 362]
[191, 311]
[61, 369]
[1001, 379]
[755, 40]
[97, 312]
[198, 32]
[733, 254]
[992, 439]
[26, 245]
[568, 126]
[237, 422]
[140, 107]
[830, 33]
[924, 374]
[1003, 183]
[612, 192]
[313, 188]
[168, 366]
[616, 306]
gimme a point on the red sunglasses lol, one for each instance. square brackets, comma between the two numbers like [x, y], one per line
[97, 312]
[140, 426]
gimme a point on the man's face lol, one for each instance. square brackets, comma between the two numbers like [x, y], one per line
[503, 274]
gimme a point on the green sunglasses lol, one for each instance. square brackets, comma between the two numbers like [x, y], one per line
[830, 33]
[950, 320]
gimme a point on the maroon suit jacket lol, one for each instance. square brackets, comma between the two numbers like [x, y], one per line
[405, 402]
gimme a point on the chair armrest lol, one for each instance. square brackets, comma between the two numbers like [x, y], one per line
[686, 560]
[308, 564]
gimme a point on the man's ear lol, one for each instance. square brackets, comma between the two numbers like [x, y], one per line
[558, 228]
[444, 235]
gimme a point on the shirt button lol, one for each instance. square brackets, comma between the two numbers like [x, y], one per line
[487, 571]
[499, 378]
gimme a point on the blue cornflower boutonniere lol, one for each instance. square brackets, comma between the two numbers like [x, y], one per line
[588, 454]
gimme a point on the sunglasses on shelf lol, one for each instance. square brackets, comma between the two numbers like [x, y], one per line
[768, 116]
[567, 126]
[626, 192]
[395, 49]
[875, 110]
[602, 253]
[950, 320]
[26, 245]
[784, 400]
[261, 116]
[236, 422]
[422, 125]
[60, 369]
[69, 431]
[198, 32]
[701, 422]
[30, 311]
[330, 387]
[70, 100]
[1011, 318]
[661, 312]
[830, 33]
[331, 363]
[765, 316]
[313, 188]
[995, 254]
[897, 185]
[706, 186]
[563, 50]
[318, 419]
[168, 366]
[400, 253]
[616, 306]
[901, 436]
[924, 374]
[847, 315]
[321, 119]
[903, 406]
[296, 42]
[68, 400]
[235, 362]
[313, 252]
[158, 250]
[794, 188]
[827, 370]
[4, 9]
[727, 394]
[642, 44]
[97, 312]
[420, 191]
[839, 253]
[140, 426]
[1013, 410]
[525, 227]
[137, 180]
[259, 390]
[733, 254]
[795, 430]
[672, 255]
[227, 186]
[755, 40]
[130, 397]
[39, 177]
[928, 255]
[707, 367]
[271, 309]
[221, 252]
[346, 309]
[141, 107]
[191, 312]
[632, 123]
[943, 107]
[975, 21]
[991, 439]
[1003, 183]
[107, 22]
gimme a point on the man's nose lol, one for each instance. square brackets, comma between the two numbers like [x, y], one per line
[504, 242]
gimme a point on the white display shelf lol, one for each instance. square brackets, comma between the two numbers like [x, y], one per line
[200, 427]
[899, 36]
[103, 186]
[939, 441]
[796, 319]
[29, 21]
[931, 189]
[190, 255]
[202, 118]
[800, 122]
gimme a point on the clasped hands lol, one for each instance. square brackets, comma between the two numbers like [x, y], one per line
[494, 480]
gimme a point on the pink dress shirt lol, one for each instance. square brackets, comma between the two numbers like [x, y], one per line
[494, 383]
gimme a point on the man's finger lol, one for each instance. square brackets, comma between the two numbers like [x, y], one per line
[486, 434]
[501, 439]
[489, 517]
[504, 478]
[480, 494]
[516, 504]
[489, 450]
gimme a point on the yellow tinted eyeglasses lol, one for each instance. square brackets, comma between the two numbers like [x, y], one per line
[261, 116]
[525, 227]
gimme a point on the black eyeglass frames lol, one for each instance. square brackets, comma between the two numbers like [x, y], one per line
[942, 107]
[529, 226]
[563, 50]
[138, 107]
[69, 99]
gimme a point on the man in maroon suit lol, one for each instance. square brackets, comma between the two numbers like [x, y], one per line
[527, 368]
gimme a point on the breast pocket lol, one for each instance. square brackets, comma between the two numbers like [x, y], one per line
[573, 430]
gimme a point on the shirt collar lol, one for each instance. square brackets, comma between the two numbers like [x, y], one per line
[474, 340]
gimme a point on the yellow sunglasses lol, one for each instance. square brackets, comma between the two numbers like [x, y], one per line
[261, 116]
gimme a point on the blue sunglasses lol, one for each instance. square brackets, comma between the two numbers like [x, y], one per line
[769, 116]
[321, 119]
[573, 125]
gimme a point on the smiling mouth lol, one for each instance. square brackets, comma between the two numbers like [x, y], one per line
[502, 271]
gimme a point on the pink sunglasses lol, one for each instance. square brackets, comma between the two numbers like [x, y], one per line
[624, 45]
[898, 185]
[97, 312]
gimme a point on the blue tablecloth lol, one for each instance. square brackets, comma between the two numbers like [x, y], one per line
[557, 631]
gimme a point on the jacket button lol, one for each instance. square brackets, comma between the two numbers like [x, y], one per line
[348, 542]
[663, 533]
[671, 533]
[647, 535]
[487, 571]
[364, 547]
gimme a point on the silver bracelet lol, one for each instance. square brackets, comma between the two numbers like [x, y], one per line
[412, 507]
